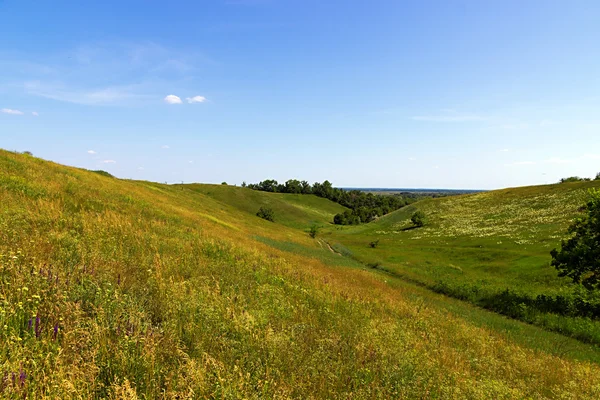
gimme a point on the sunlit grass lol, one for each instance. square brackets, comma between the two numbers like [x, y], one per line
[141, 290]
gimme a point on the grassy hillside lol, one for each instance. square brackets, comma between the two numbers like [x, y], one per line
[475, 247]
[125, 289]
[293, 210]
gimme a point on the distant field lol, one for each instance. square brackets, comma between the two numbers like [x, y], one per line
[476, 246]
[118, 289]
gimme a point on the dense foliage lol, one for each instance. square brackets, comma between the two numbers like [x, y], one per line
[266, 213]
[574, 179]
[418, 219]
[579, 257]
[364, 207]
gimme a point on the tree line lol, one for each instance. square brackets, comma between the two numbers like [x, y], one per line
[363, 207]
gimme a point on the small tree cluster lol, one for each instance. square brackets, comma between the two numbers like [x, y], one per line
[266, 213]
[418, 219]
[574, 179]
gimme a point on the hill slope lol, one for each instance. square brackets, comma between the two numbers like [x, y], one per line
[293, 210]
[125, 289]
[476, 247]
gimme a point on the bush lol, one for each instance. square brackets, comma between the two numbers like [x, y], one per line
[314, 229]
[374, 244]
[418, 219]
[266, 213]
[597, 178]
[573, 179]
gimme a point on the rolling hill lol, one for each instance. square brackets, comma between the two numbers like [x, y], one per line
[113, 288]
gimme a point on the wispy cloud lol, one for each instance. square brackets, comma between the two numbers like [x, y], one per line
[172, 99]
[165, 146]
[11, 111]
[105, 73]
[109, 162]
[91, 152]
[196, 99]
[411, 159]
[35, 114]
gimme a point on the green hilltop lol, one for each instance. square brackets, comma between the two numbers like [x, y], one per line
[115, 288]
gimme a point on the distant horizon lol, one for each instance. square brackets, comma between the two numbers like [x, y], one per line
[380, 94]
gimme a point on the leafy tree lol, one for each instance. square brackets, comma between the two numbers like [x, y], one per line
[597, 178]
[418, 219]
[266, 213]
[293, 186]
[244, 184]
[314, 230]
[28, 153]
[223, 183]
[579, 257]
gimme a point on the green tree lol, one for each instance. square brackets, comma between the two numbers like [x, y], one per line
[579, 257]
[418, 219]
[597, 178]
[266, 213]
[314, 230]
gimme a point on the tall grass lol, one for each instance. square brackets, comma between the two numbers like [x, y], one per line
[121, 289]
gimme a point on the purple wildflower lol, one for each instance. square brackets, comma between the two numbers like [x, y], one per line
[55, 331]
[37, 327]
[29, 324]
[22, 377]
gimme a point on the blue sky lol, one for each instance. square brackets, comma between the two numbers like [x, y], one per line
[451, 94]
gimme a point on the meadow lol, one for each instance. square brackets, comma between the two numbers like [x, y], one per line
[126, 289]
[491, 249]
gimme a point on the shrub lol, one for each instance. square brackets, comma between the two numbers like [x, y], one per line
[418, 219]
[374, 244]
[266, 213]
[314, 229]
[573, 179]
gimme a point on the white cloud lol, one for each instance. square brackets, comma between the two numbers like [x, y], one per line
[520, 163]
[109, 162]
[172, 99]
[13, 112]
[91, 152]
[140, 168]
[35, 114]
[165, 147]
[196, 99]
[191, 162]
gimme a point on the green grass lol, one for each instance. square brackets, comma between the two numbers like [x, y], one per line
[160, 291]
[475, 247]
[292, 210]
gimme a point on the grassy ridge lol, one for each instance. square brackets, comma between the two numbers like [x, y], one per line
[142, 290]
[491, 249]
[292, 210]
